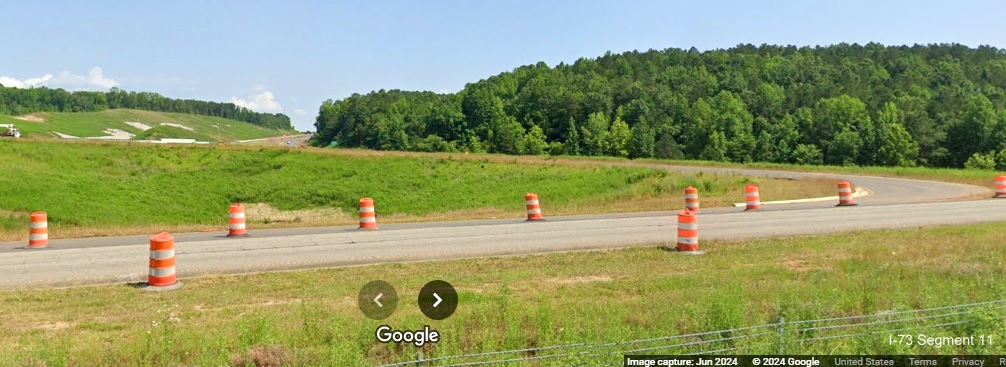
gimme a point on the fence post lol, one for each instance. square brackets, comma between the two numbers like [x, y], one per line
[782, 335]
[419, 360]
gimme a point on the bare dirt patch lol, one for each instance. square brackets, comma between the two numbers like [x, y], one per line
[56, 325]
[65, 136]
[802, 265]
[114, 134]
[580, 279]
[265, 213]
[139, 125]
[11, 213]
[176, 125]
[31, 118]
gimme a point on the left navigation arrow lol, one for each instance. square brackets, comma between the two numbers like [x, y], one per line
[377, 299]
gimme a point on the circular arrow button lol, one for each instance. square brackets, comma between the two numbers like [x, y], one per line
[378, 300]
[438, 300]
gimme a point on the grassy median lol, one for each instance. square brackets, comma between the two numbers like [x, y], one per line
[95, 189]
[589, 298]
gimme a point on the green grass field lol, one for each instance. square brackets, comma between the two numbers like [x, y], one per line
[113, 188]
[85, 124]
[310, 318]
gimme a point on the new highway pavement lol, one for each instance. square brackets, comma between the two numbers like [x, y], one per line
[890, 203]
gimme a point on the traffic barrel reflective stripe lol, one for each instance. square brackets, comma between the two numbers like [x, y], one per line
[751, 197]
[1000, 186]
[692, 199]
[162, 261]
[38, 230]
[368, 217]
[845, 194]
[236, 227]
[533, 207]
[688, 231]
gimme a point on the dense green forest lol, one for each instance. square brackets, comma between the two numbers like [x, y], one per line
[15, 101]
[847, 104]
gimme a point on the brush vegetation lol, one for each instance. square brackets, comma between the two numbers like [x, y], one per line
[311, 318]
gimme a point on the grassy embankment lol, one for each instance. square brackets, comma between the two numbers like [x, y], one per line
[85, 124]
[976, 177]
[91, 189]
[311, 317]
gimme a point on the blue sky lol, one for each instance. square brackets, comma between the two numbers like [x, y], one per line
[289, 56]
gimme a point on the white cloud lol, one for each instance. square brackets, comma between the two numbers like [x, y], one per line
[300, 112]
[95, 79]
[262, 102]
[27, 83]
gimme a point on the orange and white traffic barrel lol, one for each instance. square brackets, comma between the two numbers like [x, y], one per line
[692, 199]
[533, 207]
[368, 217]
[1000, 186]
[236, 227]
[38, 230]
[688, 231]
[751, 197]
[162, 263]
[845, 194]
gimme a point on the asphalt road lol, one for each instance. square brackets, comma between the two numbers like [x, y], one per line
[286, 140]
[893, 203]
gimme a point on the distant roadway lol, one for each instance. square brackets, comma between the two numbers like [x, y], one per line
[285, 140]
[892, 203]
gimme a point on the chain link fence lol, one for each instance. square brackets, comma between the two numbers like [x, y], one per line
[817, 336]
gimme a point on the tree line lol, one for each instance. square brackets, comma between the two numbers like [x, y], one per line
[16, 101]
[936, 105]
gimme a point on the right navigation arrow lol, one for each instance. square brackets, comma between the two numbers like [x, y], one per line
[438, 299]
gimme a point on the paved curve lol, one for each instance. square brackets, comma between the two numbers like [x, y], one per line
[894, 203]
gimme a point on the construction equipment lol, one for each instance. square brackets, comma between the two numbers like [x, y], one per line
[9, 131]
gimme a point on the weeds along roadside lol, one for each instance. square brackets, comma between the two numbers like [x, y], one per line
[588, 298]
